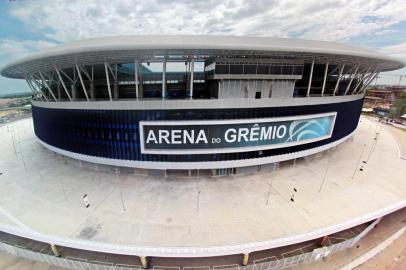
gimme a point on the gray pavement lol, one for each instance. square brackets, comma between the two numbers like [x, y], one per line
[9, 262]
[42, 192]
[387, 227]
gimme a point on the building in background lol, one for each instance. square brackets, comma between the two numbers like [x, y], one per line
[383, 96]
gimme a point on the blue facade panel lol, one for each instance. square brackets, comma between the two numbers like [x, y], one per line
[115, 133]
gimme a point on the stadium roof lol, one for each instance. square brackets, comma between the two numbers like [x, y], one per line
[124, 48]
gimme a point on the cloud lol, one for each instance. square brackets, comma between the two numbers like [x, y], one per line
[398, 50]
[328, 20]
[337, 20]
[12, 49]
[393, 77]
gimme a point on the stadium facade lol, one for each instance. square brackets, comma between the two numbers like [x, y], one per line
[229, 104]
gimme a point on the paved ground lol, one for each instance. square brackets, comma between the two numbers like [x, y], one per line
[388, 226]
[400, 136]
[42, 192]
[392, 258]
[8, 262]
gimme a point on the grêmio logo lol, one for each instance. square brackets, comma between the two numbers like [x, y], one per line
[222, 136]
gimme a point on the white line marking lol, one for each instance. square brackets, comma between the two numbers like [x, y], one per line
[14, 220]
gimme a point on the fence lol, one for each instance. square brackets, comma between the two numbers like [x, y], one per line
[270, 263]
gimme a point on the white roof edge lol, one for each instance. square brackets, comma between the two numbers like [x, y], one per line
[202, 42]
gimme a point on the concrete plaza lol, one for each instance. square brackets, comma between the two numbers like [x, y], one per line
[43, 192]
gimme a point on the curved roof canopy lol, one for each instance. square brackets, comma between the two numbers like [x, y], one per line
[124, 49]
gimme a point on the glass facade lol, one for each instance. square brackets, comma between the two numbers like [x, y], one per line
[176, 79]
[262, 69]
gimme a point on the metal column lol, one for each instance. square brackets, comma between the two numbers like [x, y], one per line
[82, 83]
[362, 77]
[192, 69]
[74, 91]
[140, 85]
[310, 79]
[164, 78]
[34, 91]
[115, 91]
[324, 80]
[92, 93]
[36, 84]
[352, 78]
[374, 75]
[338, 79]
[59, 90]
[136, 78]
[63, 84]
[108, 80]
[47, 86]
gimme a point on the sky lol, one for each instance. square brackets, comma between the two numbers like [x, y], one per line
[27, 26]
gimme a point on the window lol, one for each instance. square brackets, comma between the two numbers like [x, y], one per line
[257, 95]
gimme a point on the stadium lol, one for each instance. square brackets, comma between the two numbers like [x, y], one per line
[95, 100]
[193, 108]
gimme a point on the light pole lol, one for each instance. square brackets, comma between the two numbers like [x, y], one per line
[269, 192]
[324, 176]
[121, 190]
[359, 159]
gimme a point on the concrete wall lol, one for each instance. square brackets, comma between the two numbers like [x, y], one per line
[282, 89]
[248, 88]
[243, 88]
[174, 104]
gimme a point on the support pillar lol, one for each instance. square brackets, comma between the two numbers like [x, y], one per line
[352, 78]
[55, 250]
[324, 79]
[192, 69]
[310, 79]
[63, 84]
[115, 86]
[115, 90]
[338, 79]
[368, 81]
[92, 93]
[106, 69]
[323, 241]
[59, 89]
[140, 85]
[74, 92]
[245, 259]
[164, 79]
[136, 66]
[144, 262]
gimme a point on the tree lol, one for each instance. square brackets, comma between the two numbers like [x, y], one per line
[399, 107]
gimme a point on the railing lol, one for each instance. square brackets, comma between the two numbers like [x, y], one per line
[270, 263]
[68, 262]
